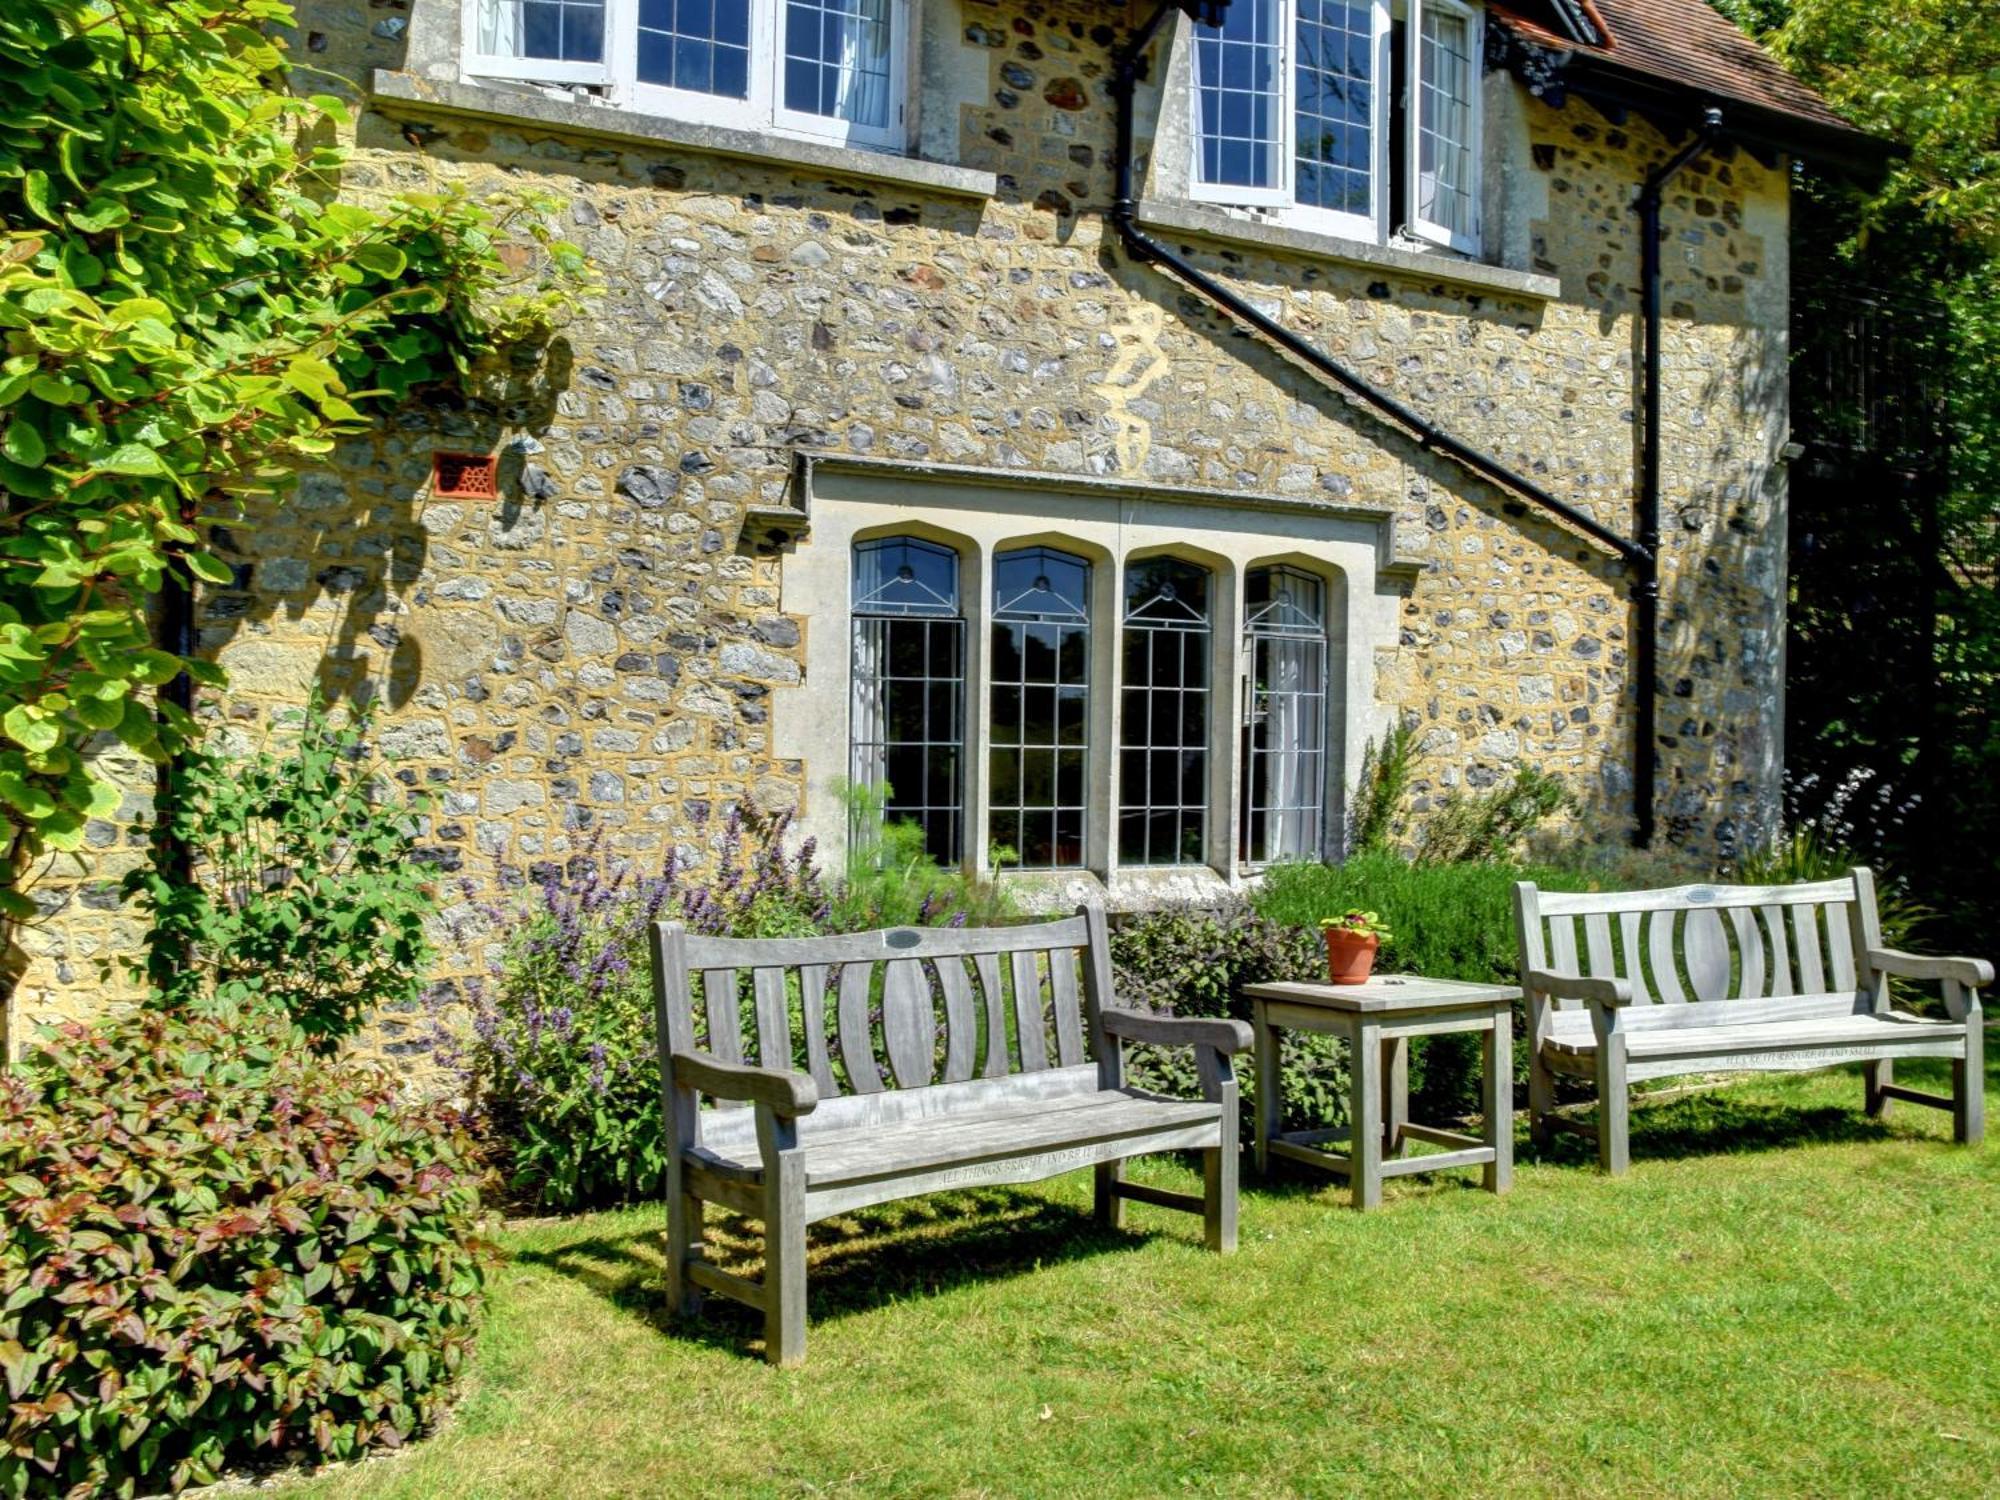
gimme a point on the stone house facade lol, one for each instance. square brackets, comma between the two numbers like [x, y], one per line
[878, 454]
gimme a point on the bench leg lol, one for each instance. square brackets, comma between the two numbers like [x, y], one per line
[1614, 1106]
[1968, 1088]
[1875, 1077]
[1110, 1207]
[1541, 1098]
[1218, 1179]
[784, 1239]
[687, 1240]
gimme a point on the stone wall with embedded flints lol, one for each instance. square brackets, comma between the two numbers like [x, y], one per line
[589, 662]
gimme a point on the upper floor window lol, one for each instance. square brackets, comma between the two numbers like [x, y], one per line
[1359, 117]
[818, 67]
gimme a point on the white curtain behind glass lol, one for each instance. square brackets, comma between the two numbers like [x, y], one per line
[863, 93]
[501, 30]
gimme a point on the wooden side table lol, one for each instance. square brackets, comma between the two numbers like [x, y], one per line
[1378, 1019]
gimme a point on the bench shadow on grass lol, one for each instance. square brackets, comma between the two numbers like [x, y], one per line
[856, 1262]
[1722, 1120]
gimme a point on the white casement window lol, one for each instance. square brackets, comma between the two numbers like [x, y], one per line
[1444, 124]
[1355, 117]
[828, 68]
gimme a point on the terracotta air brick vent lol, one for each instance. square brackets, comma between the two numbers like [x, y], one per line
[465, 476]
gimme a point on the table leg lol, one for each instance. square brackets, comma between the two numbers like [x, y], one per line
[1500, 1100]
[1269, 1104]
[1395, 1094]
[1364, 1145]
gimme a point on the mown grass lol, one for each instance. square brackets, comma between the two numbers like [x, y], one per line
[1783, 1297]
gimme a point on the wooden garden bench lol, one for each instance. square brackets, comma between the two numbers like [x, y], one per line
[1720, 978]
[893, 1063]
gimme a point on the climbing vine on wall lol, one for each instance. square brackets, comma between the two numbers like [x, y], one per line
[188, 314]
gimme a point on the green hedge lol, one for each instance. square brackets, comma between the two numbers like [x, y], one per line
[220, 1248]
[1448, 921]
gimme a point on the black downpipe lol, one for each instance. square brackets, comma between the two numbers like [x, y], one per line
[164, 955]
[1641, 555]
[1646, 585]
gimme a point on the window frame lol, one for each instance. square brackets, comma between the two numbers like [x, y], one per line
[1196, 636]
[1256, 708]
[761, 109]
[1388, 85]
[1438, 233]
[544, 70]
[999, 614]
[880, 620]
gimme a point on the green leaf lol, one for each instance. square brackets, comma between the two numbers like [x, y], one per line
[24, 444]
[35, 192]
[131, 458]
[208, 568]
[29, 729]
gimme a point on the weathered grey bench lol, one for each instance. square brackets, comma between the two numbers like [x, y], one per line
[894, 1063]
[1720, 978]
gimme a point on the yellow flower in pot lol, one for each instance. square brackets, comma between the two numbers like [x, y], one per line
[1351, 942]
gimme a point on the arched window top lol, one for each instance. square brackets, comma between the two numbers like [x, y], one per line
[1041, 584]
[1167, 593]
[1281, 600]
[904, 575]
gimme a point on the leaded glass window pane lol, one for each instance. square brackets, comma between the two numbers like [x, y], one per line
[1444, 121]
[1284, 732]
[1334, 112]
[1163, 736]
[1238, 96]
[551, 30]
[1039, 755]
[837, 60]
[701, 46]
[907, 732]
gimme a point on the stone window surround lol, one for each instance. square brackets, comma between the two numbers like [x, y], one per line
[431, 85]
[981, 512]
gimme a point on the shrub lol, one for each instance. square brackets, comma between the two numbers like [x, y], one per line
[564, 1060]
[221, 1247]
[1492, 825]
[306, 890]
[1191, 962]
[1375, 821]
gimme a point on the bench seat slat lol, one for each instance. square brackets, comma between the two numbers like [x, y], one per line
[1018, 1129]
[1891, 1029]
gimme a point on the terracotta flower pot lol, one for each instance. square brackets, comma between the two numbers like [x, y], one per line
[1350, 955]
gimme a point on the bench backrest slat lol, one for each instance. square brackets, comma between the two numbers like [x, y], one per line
[1698, 945]
[877, 1012]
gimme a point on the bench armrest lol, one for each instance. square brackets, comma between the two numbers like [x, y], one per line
[1975, 972]
[783, 1090]
[1178, 1031]
[1578, 987]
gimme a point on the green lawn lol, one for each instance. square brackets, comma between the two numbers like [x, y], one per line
[1782, 1297]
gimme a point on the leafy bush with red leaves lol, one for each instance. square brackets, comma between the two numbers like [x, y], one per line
[217, 1248]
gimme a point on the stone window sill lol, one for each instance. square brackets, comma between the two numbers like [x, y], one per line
[1218, 224]
[404, 95]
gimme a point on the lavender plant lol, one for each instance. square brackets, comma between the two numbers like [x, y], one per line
[563, 1062]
